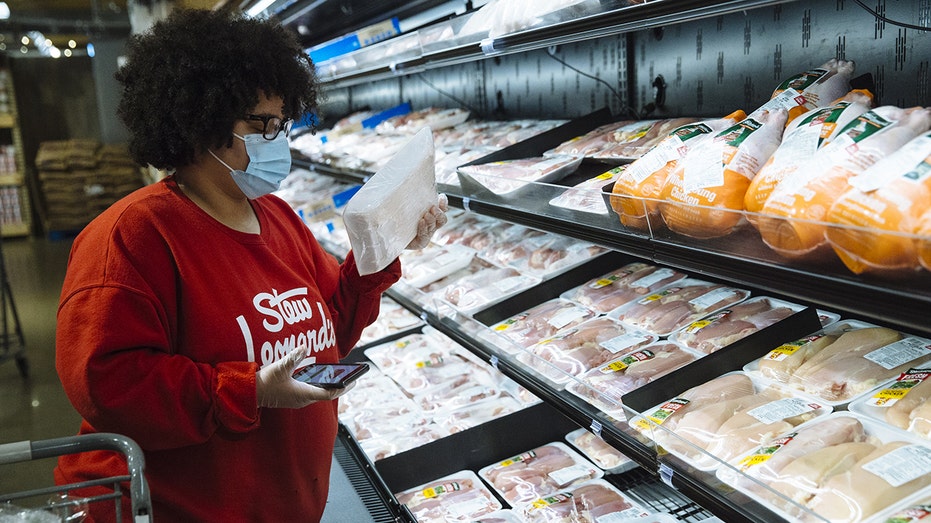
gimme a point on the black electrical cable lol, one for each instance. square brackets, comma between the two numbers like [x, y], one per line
[444, 93]
[889, 20]
[628, 109]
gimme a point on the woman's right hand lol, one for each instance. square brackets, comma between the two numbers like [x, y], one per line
[277, 389]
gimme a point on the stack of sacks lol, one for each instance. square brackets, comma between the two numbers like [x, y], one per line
[64, 167]
[115, 176]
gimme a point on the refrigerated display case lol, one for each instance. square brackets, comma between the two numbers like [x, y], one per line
[667, 59]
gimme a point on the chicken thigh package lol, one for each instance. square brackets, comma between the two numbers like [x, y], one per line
[505, 178]
[538, 323]
[622, 286]
[842, 468]
[726, 417]
[457, 497]
[604, 385]
[675, 306]
[575, 350]
[608, 458]
[539, 472]
[593, 502]
[843, 361]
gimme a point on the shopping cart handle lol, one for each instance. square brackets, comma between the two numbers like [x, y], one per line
[49, 448]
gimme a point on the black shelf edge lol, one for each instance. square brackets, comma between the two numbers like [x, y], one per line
[343, 175]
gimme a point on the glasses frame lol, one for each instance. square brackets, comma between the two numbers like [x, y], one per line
[284, 124]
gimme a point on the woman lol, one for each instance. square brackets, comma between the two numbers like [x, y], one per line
[188, 304]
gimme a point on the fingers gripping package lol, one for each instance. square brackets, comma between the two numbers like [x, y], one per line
[382, 217]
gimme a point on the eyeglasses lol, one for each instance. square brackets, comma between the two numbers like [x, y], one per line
[272, 125]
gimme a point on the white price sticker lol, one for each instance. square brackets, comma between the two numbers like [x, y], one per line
[652, 278]
[624, 342]
[902, 464]
[624, 516]
[900, 352]
[567, 475]
[707, 300]
[568, 316]
[781, 409]
[704, 166]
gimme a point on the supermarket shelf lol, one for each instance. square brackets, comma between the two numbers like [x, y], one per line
[617, 17]
[7, 121]
[15, 230]
[12, 178]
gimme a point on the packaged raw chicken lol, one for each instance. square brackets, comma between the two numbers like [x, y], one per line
[733, 323]
[540, 322]
[515, 242]
[588, 196]
[637, 191]
[504, 177]
[484, 288]
[668, 415]
[381, 447]
[632, 281]
[633, 141]
[540, 472]
[596, 449]
[552, 254]
[591, 142]
[792, 222]
[818, 86]
[805, 135]
[713, 432]
[704, 195]
[392, 320]
[464, 230]
[603, 386]
[576, 350]
[593, 502]
[677, 305]
[873, 224]
[457, 497]
[500, 516]
[425, 266]
[465, 417]
[459, 391]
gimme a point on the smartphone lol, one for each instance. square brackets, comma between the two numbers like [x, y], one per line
[331, 375]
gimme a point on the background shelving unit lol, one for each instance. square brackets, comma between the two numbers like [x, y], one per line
[15, 212]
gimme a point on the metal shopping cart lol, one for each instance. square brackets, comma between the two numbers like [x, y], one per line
[138, 487]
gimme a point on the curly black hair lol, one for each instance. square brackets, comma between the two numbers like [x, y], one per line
[190, 77]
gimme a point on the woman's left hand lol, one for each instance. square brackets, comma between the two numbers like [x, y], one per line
[429, 223]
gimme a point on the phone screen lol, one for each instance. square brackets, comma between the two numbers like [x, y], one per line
[331, 375]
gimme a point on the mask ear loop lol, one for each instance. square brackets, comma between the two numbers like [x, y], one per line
[221, 161]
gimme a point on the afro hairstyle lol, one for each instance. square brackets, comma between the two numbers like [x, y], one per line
[191, 76]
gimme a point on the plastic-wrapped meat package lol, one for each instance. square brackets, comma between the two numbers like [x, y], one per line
[591, 142]
[514, 243]
[425, 266]
[458, 393]
[632, 281]
[432, 370]
[451, 160]
[475, 266]
[542, 321]
[588, 196]
[463, 229]
[634, 142]
[592, 502]
[596, 449]
[818, 86]
[485, 287]
[539, 472]
[466, 417]
[710, 433]
[792, 221]
[604, 385]
[501, 516]
[392, 319]
[801, 139]
[733, 323]
[703, 196]
[370, 391]
[552, 254]
[637, 191]
[677, 305]
[904, 403]
[382, 447]
[507, 176]
[874, 222]
[576, 350]
[720, 389]
[460, 496]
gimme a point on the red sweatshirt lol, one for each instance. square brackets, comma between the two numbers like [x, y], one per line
[165, 317]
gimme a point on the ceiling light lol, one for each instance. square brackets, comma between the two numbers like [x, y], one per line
[68, 52]
[259, 7]
[90, 50]
[4, 11]
[72, 44]
[23, 49]
[24, 40]
[54, 52]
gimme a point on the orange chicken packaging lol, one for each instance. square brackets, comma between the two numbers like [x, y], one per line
[792, 222]
[704, 195]
[877, 218]
[639, 186]
[801, 139]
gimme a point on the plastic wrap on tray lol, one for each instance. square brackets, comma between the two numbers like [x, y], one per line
[844, 360]
[591, 142]
[382, 447]
[733, 323]
[842, 468]
[513, 243]
[541, 321]
[420, 363]
[722, 419]
[473, 415]
[677, 305]
[460, 496]
[902, 402]
[575, 350]
[552, 254]
[485, 287]
[604, 385]
[501, 516]
[459, 391]
[633, 141]
[588, 196]
[593, 502]
[632, 281]
[611, 460]
[425, 266]
[466, 229]
[505, 177]
[539, 472]
[392, 319]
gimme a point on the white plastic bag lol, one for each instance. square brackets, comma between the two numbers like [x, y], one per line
[381, 219]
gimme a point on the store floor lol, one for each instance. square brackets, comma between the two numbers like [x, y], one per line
[37, 408]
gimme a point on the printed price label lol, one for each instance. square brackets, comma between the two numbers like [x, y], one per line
[653, 278]
[659, 295]
[622, 364]
[438, 490]
[551, 500]
[623, 516]
[707, 300]
[624, 342]
[763, 454]
[568, 316]
[781, 409]
[784, 351]
[901, 465]
[910, 515]
[668, 409]
[906, 381]
[567, 475]
[900, 352]
[526, 456]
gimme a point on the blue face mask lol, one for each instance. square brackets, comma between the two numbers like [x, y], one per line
[269, 165]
